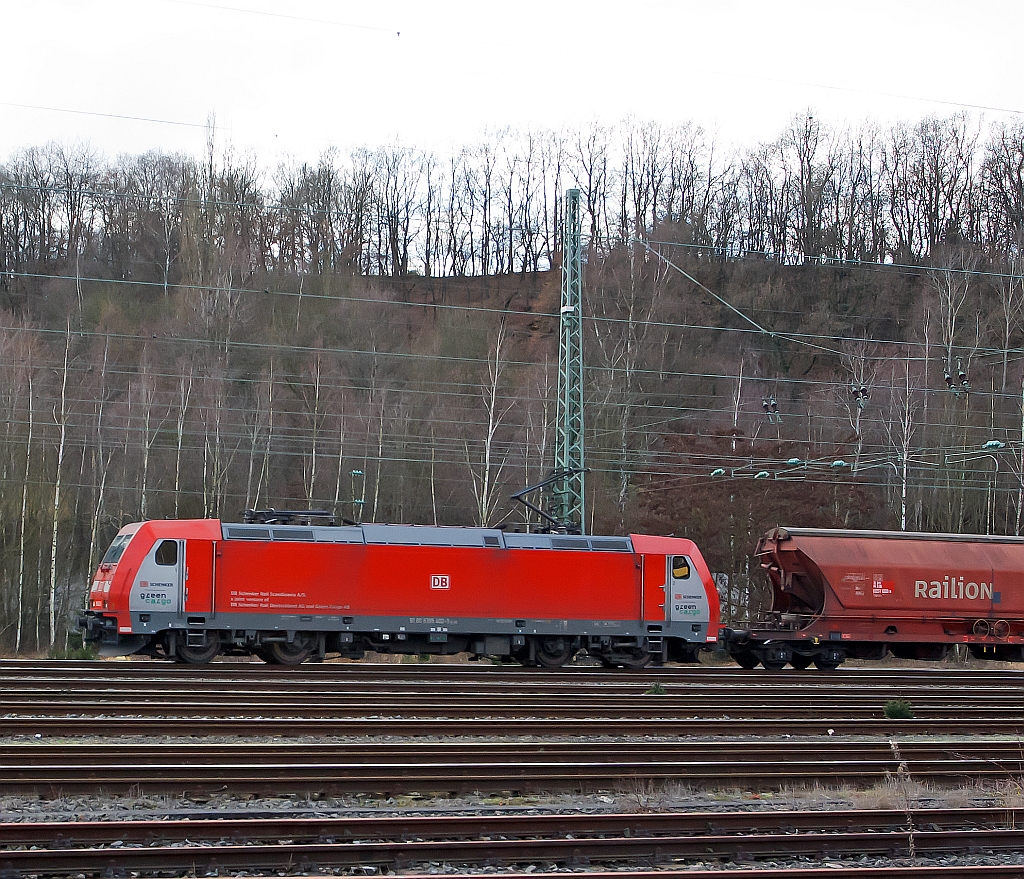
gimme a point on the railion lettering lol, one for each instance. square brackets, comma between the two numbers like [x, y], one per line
[952, 588]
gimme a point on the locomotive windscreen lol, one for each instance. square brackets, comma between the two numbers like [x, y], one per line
[113, 553]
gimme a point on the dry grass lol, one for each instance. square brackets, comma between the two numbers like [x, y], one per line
[896, 793]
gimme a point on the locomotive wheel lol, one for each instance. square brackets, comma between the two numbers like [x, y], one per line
[746, 659]
[283, 653]
[638, 658]
[800, 661]
[635, 658]
[553, 652]
[198, 655]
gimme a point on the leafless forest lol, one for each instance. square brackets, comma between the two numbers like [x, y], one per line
[819, 330]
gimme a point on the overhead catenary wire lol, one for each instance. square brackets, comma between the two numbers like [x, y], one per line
[804, 339]
[835, 386]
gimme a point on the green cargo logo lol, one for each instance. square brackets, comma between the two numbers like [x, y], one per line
[148, 594]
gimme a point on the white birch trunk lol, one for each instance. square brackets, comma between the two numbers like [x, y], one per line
[62, 422]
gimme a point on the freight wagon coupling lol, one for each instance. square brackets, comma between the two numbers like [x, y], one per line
[839, 594]
[288, 586]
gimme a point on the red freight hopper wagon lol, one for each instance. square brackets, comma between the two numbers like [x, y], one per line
[192, 589]
[839, 594]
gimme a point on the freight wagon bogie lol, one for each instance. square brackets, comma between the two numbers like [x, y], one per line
[749, 650]
[192, 590]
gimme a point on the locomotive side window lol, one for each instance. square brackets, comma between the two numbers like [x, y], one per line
[167, 553]
[116, 549]
[680, 567]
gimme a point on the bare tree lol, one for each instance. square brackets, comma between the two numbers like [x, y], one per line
[184, 377]
[1009, 287]
[61, 419]
[951, 279]
[900, 425]
[486, 466]
[860, 362]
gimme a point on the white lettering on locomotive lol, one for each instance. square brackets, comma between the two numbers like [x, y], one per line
[440, 581]
[952, 587]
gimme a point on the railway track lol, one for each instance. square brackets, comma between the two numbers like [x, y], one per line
[413, 727]
[390, 769]
[351, 699]
[1005, 753]
[510, 678]
[469, 670]
[503, 730]
[403, 842]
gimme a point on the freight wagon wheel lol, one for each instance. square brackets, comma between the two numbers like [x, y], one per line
[746, 659]
[198, 655]
[800, 661]
[553, 652]
[774, 664]
[827, 664]
[283, 653]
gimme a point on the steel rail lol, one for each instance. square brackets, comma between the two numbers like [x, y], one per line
[457, 778]
[1008, 715]
[245, 693]
[570, 852]
[369, 667]
[833, 871]
[138, 724]
[158, 673]
[473, 674]
[29, 693]
[503, 679]
[637, 750]
[404, 827]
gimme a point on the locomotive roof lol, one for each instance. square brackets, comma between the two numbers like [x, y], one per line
[783, 532]
[424, 535]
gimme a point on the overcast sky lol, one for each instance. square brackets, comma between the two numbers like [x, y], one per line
[292, 79]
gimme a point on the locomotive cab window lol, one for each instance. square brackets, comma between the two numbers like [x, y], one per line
[167, 553]
[115, 550]
[680, 567]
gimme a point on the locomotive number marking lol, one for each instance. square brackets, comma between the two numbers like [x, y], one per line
[440, 581]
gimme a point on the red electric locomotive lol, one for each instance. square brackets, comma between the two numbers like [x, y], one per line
[192, 589]
[858, 594]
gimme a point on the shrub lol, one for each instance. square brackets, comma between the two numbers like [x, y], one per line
[898, 709]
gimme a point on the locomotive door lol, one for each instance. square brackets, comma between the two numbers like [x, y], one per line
[198, 576]
[687, 600]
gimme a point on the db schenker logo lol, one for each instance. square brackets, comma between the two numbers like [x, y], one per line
[151, 597]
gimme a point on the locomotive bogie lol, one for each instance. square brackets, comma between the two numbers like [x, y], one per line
[194, 589]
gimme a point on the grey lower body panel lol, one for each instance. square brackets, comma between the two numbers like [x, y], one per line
[148, 625]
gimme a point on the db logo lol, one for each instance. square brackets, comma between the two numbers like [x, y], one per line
[440, 581]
